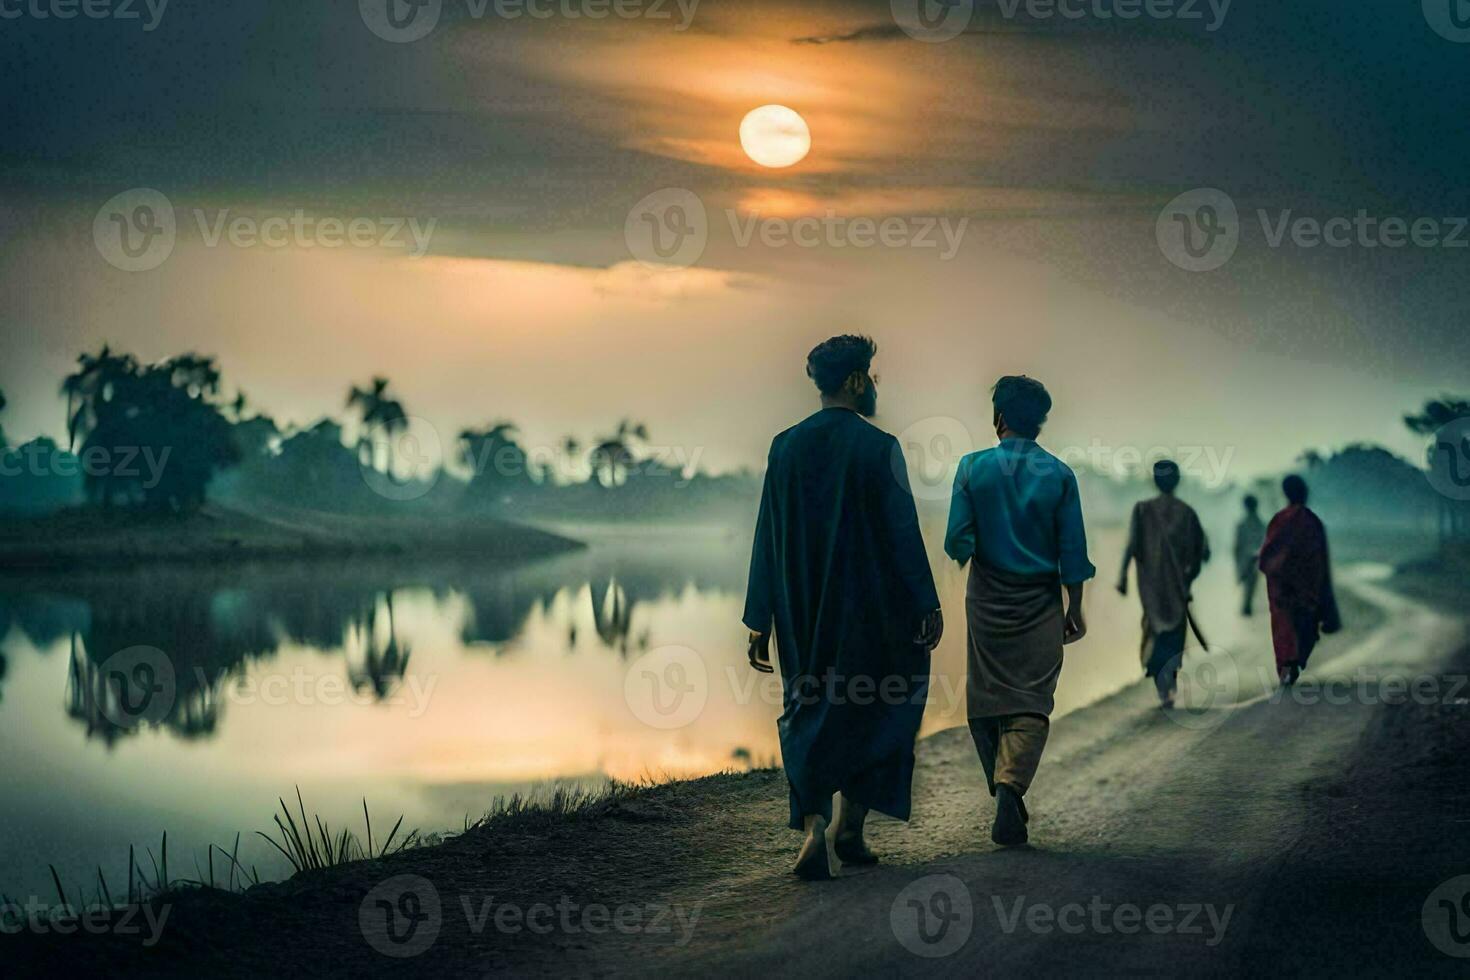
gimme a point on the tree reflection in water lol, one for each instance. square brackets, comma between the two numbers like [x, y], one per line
[213, 626]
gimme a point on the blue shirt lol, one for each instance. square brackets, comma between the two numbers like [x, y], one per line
[1016, 509]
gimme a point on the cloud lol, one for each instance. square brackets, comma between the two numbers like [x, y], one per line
[891, 32]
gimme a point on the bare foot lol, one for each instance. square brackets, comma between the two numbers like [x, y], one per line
[812, 863]
[852, 849]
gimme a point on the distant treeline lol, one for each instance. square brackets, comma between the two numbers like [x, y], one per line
[163, 437]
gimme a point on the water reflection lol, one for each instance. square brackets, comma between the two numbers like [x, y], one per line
[214, 626]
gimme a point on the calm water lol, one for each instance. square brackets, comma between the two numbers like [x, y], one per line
[428, 689]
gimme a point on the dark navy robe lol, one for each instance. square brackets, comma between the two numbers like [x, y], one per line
[839, 567]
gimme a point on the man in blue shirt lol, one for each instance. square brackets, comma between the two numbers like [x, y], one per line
[1016, 517]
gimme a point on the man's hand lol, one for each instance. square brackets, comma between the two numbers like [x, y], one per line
[759, 653]
[1075, 626]
[931, 630]
[1123, 586]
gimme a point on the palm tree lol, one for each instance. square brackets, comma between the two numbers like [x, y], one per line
[1442, 456]
[2, 428]
[376, 409]
[92, 385]
[612, 455]
[480, 449]
[573, 448]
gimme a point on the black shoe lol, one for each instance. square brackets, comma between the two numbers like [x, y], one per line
[1009, 829]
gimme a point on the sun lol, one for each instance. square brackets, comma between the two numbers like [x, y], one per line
[775, 136]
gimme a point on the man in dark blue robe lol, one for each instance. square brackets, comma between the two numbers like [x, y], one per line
[838, 567]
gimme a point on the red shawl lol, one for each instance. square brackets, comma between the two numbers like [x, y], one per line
[1294, 560]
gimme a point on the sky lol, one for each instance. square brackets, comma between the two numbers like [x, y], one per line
[1028, 171]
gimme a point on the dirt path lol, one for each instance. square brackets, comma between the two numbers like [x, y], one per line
[1164, 845]
[1250, 832]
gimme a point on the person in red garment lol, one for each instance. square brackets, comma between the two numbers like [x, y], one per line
[1298, 581]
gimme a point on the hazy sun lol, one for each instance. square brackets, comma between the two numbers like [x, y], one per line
[775, 136]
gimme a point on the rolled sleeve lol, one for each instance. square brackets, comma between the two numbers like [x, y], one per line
[959, 537]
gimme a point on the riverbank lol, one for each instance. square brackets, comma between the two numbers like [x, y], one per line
[1306, 829]
[90, 540]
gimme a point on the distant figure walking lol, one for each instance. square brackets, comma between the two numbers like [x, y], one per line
[839, 567]
[1016, 517]
[1250, 534]
[1169, 545]
[1298, 582]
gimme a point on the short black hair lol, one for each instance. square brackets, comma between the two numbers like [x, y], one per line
[1024, 402]
[1166, 475]
[1251, 503]
[834, 360]
[1295, 489]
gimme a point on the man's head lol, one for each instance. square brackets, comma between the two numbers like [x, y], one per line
[1021, 405]
[1166, 475]
[1295, 489]
[840, 367]
[1251, 503]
